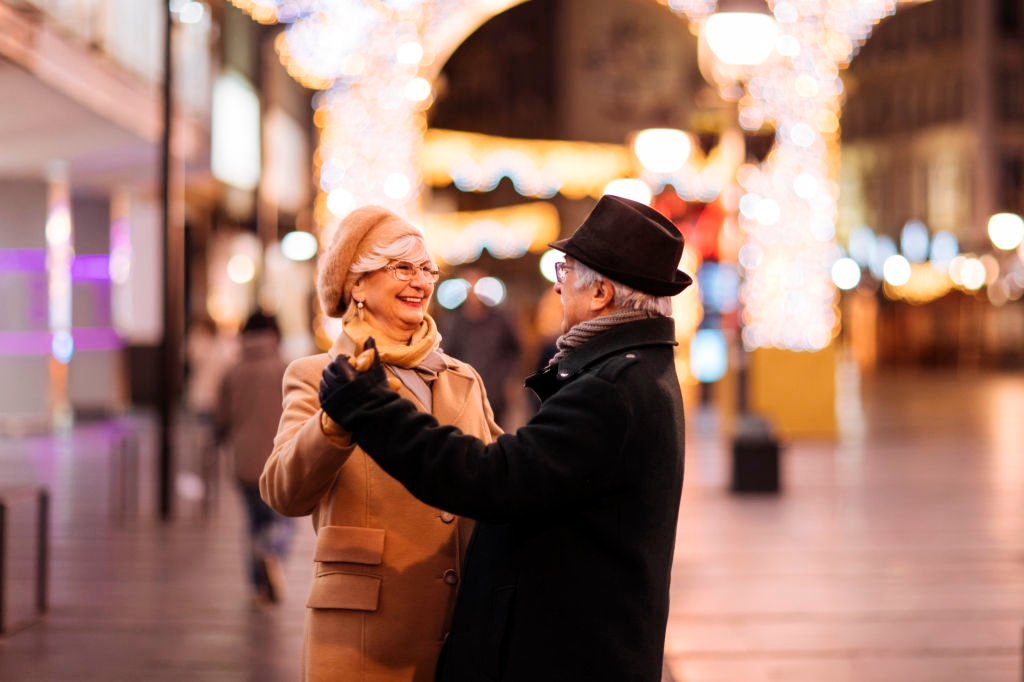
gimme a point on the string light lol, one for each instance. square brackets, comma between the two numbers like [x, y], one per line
[788, 295]
[371, 129]
[508, 232]
[474, 162]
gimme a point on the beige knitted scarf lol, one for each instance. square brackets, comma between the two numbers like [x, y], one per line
[425, 340]
[588, 329]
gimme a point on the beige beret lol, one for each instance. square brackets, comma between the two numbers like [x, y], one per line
[357, 234]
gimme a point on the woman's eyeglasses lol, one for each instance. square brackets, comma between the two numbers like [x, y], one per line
[406, 272]
[560, 269]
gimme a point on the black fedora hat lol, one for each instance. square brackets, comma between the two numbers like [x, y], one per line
[631, 243]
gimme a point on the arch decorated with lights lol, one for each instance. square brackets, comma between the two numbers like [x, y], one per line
[375, 62]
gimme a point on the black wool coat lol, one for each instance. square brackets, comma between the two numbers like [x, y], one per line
[567, 574]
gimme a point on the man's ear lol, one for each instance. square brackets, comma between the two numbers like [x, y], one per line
[603, 293]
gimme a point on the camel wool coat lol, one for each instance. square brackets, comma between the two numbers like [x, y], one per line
[386, 566]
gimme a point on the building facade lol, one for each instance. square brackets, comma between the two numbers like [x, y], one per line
[103, 245]
[933, 132]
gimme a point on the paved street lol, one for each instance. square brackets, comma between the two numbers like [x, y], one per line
[895, 552]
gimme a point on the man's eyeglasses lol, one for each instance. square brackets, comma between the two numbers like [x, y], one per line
[406, 272]
[560, 268]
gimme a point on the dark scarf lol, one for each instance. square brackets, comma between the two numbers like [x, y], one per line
[588, 329]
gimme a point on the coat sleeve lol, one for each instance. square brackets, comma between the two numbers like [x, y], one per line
[570, 451]
[309, 448]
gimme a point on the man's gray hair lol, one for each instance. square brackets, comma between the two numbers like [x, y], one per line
[625, 296]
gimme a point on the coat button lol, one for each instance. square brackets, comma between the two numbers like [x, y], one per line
[447, 517]
[451, 576]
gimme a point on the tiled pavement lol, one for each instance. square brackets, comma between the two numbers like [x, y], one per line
[135, 599]
[894, 553]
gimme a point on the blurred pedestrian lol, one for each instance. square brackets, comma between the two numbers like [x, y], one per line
[480, 333]
[209, 351]
[567, 577]
[247, 411]
[387, 566]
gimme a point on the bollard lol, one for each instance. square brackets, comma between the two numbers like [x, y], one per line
[209, 470]
[196, 470]
[24, 542]
[755, 457]
[124, 476]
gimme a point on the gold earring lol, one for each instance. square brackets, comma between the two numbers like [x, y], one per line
[359, 309]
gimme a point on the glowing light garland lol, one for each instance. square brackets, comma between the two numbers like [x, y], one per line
[372, 118]
[789, 299]
[537, 168]
[507, 232]
[474, 162]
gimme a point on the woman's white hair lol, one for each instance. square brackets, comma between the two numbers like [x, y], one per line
[410, 247]
[625, 296]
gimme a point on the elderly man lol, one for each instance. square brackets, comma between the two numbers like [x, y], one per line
[567, 574]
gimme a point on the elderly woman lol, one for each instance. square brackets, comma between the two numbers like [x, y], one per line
[386, 566]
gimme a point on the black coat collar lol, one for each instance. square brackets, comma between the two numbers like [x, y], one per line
[657, 331]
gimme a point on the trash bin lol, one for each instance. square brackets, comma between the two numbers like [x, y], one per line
[755, 457]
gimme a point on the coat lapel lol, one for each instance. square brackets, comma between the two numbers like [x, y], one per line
[451, 391]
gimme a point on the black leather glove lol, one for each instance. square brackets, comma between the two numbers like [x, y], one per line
[342, 386]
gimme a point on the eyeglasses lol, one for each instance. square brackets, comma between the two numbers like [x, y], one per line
[560, 268]
[406, 272]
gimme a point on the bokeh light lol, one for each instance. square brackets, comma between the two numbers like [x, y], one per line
[846, 273]
[62, 347]
[741, 38]
[896, 270]
[490, 291]
[547, 263]
[709, 355]
[945, 248]
[298, 245]
[972, 273]
[452, 293]
[630, 188]
[662, 150]
[1006, 230]
[241, 268]
[914, 241]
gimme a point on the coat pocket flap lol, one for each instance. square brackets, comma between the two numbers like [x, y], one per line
[350, 543]
[344, 591]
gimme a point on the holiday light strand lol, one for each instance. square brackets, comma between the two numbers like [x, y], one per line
[384, 56]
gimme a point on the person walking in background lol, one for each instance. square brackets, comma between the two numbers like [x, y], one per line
[483, 336]
[567, 577]
[386, 566]
[246, 414]
[209, 352]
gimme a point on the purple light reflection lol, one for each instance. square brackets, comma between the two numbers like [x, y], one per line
[25, 343]
[95, 267]
[22, 260]
[91, 267]
[40, 342]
